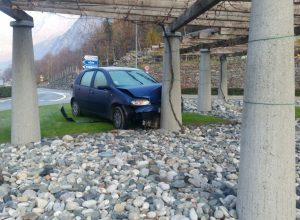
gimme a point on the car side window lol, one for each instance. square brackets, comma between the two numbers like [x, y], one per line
[87, 78]
[100, 79]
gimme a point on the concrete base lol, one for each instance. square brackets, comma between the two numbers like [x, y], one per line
[168, 120]
[266, 187]
[25, 125]
[204, 86]
[223, 90]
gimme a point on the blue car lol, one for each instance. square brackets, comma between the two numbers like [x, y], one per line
[120, 94]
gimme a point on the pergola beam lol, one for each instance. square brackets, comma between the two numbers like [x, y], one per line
[7, 8]
[225, 43]
[198, 8]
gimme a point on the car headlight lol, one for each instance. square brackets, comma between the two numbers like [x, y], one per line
[140, 102]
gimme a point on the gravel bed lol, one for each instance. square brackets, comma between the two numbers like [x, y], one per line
[140, 174]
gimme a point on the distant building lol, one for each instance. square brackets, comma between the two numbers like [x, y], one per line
[1, 82]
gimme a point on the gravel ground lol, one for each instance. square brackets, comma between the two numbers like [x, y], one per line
[141, 174]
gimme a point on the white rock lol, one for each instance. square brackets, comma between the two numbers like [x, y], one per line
[57, 143]
[142, 164]
[171, 174]
[67, 138]
[13, 213]
[145, 206]
[179, 217]
[134, 216]
[71, 206]
[41, 203]
[218, 168]
[138, 202]
[193, 215]
[151, 214]
[38, 210]
[218, 214]
[89, 203]
[144, 172]
[88, 212]
[232, 176]
[112, 188]
[164, 186]
[225, 211]
[21, 175]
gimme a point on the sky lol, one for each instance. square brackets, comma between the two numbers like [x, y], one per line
[46, 26]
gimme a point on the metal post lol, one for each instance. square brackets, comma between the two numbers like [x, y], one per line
[136, 45]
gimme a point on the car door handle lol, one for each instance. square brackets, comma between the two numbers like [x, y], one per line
[92, 92]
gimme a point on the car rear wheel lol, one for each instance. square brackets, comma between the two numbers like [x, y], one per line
[120, 121]
[76, 109]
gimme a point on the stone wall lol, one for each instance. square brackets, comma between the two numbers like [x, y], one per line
[236, 69]
[189, 73]
[190, 70]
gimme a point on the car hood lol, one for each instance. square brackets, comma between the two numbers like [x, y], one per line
[152, 92]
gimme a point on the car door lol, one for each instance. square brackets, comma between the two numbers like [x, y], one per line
[83, 90]
[99, 94]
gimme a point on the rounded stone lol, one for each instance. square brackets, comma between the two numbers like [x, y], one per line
[119, 207]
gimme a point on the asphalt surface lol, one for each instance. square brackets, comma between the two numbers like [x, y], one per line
[45, 97]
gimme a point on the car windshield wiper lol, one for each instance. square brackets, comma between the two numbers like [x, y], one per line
[135, 78]
[146, 77]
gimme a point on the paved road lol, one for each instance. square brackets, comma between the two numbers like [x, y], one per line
[45, 96]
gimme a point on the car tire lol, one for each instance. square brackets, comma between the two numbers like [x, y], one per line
[76, 109]
[120, 121]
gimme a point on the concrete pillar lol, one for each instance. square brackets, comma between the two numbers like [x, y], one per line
[25, 125]
[223, 90]
[266, 187]
[204, 86]
[171, 88]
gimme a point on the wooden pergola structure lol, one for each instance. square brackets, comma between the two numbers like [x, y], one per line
[267, 27]
[221, 23]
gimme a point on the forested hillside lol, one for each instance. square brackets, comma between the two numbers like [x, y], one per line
[109, 41]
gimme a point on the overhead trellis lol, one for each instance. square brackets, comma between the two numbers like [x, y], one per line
[221, 23]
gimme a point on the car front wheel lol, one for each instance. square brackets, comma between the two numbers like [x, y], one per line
[76, 109]
[120, 121]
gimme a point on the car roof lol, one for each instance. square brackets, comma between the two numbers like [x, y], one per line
[108, 68]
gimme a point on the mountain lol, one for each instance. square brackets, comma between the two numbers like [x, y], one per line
[4, 65]
[73, 38]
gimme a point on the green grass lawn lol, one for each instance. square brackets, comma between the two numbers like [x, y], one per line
[197, 119]
[53, 123]
[297, 111]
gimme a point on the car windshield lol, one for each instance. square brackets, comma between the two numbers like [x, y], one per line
[131, 78]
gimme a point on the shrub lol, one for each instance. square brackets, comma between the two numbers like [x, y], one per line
[5, 91]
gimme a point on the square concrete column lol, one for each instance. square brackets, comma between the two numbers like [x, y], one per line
[25, 124]
[204, 86]
[266, 188]
[171, 88]
[223, 90]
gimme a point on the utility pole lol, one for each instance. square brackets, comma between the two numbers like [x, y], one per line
[136, 45]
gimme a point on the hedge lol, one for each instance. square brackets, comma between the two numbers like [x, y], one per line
[231, 91]
[5, 91]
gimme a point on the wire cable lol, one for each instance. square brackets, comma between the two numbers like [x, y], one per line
[172, 78]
